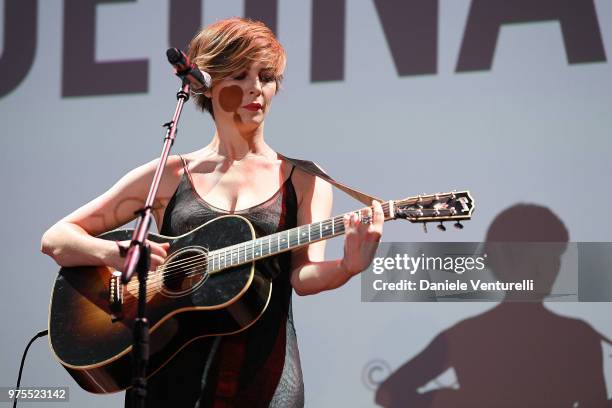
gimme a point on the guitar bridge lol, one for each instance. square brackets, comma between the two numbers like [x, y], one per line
[115, 297]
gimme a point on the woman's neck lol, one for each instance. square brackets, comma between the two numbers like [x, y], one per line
[234, 145]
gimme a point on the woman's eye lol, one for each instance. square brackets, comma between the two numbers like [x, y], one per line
[266, 78]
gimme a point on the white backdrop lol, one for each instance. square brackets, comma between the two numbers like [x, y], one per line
[532, 129]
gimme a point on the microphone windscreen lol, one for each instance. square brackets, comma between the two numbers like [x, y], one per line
[174, 55]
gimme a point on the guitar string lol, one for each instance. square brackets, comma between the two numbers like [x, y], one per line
[202, 260]
[157, 280]
[243, 247]
[171, 267]
[239, 249]
[336, 219]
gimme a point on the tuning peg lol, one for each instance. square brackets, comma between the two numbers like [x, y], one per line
[425, 227]
[458, 225]
[441, 227]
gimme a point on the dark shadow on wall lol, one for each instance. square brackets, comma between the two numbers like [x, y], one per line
[518, 354]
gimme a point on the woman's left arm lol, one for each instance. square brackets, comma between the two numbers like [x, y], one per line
[311, 273]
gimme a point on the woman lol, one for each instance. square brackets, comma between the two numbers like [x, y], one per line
[237, 172]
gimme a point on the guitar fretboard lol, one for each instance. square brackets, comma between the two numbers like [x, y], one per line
[283, 241]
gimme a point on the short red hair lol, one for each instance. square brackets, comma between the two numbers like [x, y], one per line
[231, 45]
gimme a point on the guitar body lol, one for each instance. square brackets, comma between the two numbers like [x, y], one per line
[184, 303]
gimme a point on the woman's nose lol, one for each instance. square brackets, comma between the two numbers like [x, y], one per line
[255, 86]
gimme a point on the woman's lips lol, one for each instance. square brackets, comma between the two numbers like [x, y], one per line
[252, 107]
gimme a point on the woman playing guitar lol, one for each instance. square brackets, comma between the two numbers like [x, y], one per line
[235, 173]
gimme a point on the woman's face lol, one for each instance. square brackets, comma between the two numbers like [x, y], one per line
[244, 98]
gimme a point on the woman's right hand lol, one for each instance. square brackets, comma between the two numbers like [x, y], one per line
[159, 252]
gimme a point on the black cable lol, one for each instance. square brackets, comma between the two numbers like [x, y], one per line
[38, 335]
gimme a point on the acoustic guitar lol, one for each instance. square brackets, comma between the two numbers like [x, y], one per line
[209, 285]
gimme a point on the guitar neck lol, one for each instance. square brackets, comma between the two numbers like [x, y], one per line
[456, 206]
[283, 241]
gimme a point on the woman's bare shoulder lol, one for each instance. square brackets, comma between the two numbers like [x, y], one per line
[116, 206]
[140, 178]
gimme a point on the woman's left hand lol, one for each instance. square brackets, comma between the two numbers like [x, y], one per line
[361, 239]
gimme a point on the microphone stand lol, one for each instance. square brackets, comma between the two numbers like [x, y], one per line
[138, 258]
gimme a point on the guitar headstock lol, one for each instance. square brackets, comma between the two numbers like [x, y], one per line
[453, 206]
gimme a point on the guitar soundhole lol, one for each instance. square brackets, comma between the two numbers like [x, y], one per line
[184, 271]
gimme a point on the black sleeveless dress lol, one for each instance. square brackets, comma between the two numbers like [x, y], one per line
[258, 367]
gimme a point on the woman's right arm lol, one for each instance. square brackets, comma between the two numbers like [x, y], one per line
[72, 242]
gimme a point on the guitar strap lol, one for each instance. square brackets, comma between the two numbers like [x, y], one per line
[311, 168]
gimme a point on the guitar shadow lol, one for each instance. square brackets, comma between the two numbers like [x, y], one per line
[519, 353]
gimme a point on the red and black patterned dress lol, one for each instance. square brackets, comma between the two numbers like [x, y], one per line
[258, 367]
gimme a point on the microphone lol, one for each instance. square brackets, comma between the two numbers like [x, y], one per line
[183, 68]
